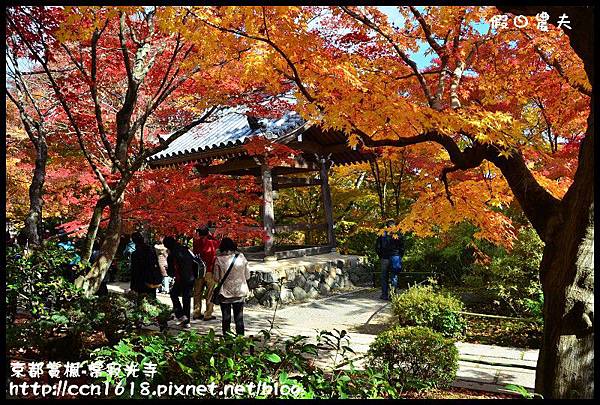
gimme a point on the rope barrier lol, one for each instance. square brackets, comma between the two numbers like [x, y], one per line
[509, 318]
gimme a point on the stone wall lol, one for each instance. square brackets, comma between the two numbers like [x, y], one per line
[303, 279]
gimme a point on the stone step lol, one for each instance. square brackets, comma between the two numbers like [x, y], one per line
[499, 361]
[481, 386]
[499, 375]
[500, 352]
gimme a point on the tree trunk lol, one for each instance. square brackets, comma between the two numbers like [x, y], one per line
[327, 203]
[566, 364]
[91, 281]
[33, 221]
[268, 211]
[92, 231]
[380, 194]
[565, 367]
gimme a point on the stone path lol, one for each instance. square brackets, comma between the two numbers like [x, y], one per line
[363, 315]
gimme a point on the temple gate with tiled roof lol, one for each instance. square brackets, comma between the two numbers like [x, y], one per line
[224, 139]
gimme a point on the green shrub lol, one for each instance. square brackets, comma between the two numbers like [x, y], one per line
[57, 314]
[36, 284]
[449, 254]
[58, 336]
[360, 241]
[191, 358]
[415, 358]
[512, 277]
[118, 315]
[422, 306]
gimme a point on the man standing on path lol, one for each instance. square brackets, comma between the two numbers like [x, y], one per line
[205, 246]
[390, 251]
[181, 267]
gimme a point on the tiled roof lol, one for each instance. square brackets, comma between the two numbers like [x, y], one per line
[230, 128]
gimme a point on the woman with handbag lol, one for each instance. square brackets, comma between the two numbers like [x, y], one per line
[231, 269]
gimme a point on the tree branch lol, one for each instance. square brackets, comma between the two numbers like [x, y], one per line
[124, 49]
[63, 103]
[444, 178]
[440, 50]
[94, 92]
[140, 159]
[555, 63]
[400, 53]
[291, 65]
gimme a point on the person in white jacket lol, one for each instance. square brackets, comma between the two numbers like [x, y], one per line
[235, 287]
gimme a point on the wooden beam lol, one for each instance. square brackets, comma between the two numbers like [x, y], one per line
[228, 166]
[301, 163]
[237, 165]
[198, 156]
[289, 182]
[299, 227]
[279, 171]
[327, 204]
[255, 171]
[268, 211]
[315, 147]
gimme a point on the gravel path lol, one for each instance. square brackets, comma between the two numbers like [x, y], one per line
[363, 315]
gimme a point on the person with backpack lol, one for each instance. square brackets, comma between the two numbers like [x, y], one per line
[145, 272]
[231, 269]
[129, 248]
[182, 266]
[390, 250]
[205, 247]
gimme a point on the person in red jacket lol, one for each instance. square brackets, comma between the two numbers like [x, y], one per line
[206, 246]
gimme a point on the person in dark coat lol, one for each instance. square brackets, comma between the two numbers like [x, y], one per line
[388, 248]
[145, 273]
[180, 266]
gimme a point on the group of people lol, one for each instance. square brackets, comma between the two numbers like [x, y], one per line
[171, 266]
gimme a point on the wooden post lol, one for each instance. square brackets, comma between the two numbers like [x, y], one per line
[327, 204]
[268, 212]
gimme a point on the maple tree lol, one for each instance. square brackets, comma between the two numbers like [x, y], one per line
[485, 111]
[16, 180]
[156, 198]
[122, 76]
[27, 95]
[68, 187]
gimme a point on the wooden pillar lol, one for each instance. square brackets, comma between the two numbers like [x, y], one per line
[268, 212]
[327, 204]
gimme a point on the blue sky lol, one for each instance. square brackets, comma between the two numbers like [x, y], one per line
[419, 57]
[396, 18]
